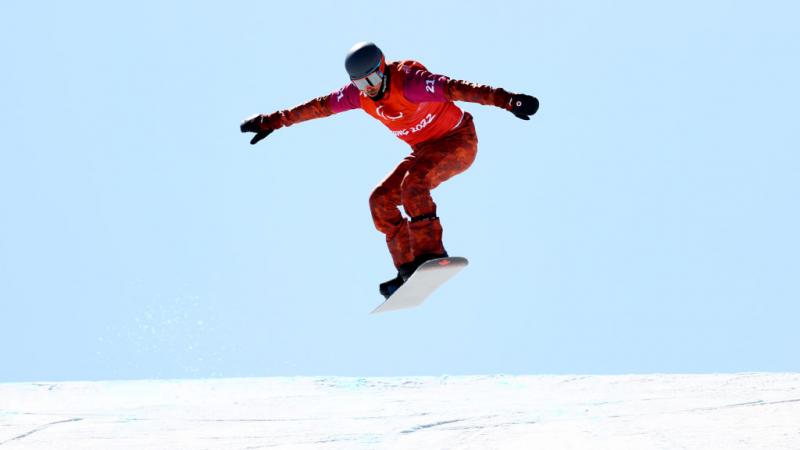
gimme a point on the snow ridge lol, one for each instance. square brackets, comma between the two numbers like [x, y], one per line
[460, 412]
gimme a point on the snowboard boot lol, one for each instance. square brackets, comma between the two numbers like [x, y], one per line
[422, 259]
[387, 288]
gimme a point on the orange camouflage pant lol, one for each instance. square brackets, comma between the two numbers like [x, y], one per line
[409, 185]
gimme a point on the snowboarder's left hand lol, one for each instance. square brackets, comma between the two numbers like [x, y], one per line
[258, 124]
[523, 106]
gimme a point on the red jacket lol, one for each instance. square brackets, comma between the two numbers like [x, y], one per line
[417, 105]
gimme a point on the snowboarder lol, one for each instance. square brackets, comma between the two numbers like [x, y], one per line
[417, 106]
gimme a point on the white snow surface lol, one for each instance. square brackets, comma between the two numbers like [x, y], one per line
[715, 411]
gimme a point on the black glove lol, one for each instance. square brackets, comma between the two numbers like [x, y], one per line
[257, 124]
[523, 106]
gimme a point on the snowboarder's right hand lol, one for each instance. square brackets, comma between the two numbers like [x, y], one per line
[258, 124]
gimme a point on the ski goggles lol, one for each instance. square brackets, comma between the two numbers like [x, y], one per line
[372, 80]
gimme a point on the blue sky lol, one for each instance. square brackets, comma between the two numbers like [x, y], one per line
[645, 220]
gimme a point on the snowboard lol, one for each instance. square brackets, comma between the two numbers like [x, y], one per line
[426, 279]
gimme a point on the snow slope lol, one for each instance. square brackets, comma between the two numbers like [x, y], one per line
[736, 411]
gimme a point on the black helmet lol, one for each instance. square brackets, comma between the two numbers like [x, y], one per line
[363, 59]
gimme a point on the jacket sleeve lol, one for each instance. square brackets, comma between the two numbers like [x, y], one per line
[465, 91]
[342, 100]
[423, 86]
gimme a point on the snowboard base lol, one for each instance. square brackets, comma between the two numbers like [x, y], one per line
[426, 279]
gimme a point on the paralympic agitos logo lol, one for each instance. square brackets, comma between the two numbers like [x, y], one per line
[384, 116]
